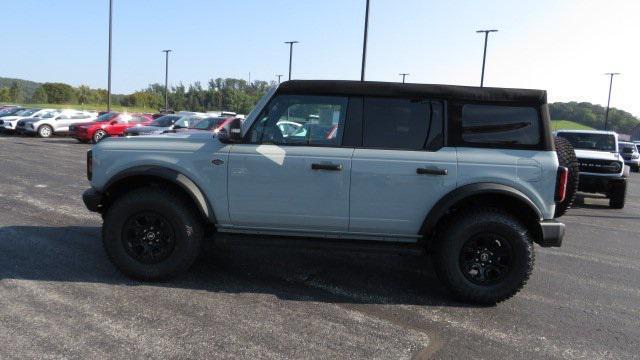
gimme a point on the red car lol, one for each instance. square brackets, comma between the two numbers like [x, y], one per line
[109, 124]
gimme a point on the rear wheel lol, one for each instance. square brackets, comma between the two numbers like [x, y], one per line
[484, 255]
[152, 235]
[99, 135]
[567, 158]
[45, 131]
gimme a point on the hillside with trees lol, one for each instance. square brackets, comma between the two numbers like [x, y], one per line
[592, 115]
[240, 96]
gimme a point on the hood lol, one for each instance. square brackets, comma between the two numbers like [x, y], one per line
[600, 155]
[162, 143]
[11, 118]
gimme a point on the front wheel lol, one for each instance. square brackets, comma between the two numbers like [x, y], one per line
[617, 195]
[99, 135]
[484, 255]
[45, 131]
[152, 235]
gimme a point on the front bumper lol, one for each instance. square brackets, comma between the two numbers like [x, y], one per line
[552, 233]
[92, 199]
[598, 183]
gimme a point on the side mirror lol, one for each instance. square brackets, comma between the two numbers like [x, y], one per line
[176, 127]
[113, 122]
[234, 132]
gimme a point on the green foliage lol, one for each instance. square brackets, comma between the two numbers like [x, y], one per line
[4, 94]
[16, 93]
[568, 125]
[592, 115]
[40, 96]
[28, 87]
[59, 93]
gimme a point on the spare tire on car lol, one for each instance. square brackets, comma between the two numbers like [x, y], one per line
[567, 158]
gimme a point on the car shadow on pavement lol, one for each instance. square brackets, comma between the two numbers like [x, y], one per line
[290, 271]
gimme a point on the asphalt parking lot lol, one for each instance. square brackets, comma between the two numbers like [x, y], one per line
[60, 297]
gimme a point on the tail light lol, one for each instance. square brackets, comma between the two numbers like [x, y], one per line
[561, 184]
[89, 165]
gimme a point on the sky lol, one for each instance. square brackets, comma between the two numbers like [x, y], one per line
[562, 46]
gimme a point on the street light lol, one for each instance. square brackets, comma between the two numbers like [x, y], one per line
[403, 76]
[606, 115]
[290, 54]
[166, 79]
[109, 61]
[364, 43]
[484, 56]
[279, 76]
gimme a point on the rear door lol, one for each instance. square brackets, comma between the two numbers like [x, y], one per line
[402, 168]
[66, 119]
[293, 174]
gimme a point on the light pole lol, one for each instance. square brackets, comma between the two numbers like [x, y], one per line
[290, 54]
[606, 115]
[484, 55]
[109, 61]
[279, 76]
[403, 76]
[364, 43]
[166, 79]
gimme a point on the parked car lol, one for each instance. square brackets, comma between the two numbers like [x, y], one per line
[210, 124]
[161, 124]
[630, 154]
[602, 168]
[10, 110]
[54, 122]
[474, 178]
[9, 123]
[109, 124]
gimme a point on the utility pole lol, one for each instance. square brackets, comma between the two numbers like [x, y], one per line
[484, 55]
[279, 76]
[290, 54]
[109, 61]
[364, 43]
[606, 115]
[166, 79]
[403, 76]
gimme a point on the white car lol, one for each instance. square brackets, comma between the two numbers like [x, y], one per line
[54, 122]
[8, 123]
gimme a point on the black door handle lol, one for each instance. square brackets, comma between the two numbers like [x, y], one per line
[330, 167]
[431, 171]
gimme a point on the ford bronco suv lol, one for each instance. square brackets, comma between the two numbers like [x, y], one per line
[602, 168]
[470, 174]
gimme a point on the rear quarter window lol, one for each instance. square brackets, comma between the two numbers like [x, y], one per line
[496, 125]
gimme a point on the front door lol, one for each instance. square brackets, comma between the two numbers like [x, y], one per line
[292, 174]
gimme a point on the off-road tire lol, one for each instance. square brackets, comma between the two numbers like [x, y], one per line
[179, 213]
[45, 131]
[468, 224]
[567, 158]
[617, 195]
[98, 135]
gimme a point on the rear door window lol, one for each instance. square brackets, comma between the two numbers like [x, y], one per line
[500, 125]
[398, 123]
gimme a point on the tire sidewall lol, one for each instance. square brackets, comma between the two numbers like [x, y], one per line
[187, 234]
[451, 247]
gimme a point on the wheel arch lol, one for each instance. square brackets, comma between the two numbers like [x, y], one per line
[484, 194]
[140, 176]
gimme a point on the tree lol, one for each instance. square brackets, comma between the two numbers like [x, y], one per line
[16, 93]
[40, 96]
[59, 93]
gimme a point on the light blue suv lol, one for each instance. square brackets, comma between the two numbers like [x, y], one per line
[470, 174]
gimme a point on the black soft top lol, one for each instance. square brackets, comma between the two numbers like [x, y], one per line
[433, 91]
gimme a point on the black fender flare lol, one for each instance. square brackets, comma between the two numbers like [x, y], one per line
[441, 208]
[172, 176]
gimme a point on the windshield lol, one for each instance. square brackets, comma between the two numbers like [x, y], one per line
[49, 114]
[164, 121]
[209, 123]
[587, 141]
[28, 112]
[106, 117]
[626, 147]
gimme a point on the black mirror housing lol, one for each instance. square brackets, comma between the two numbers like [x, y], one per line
[233, 133]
